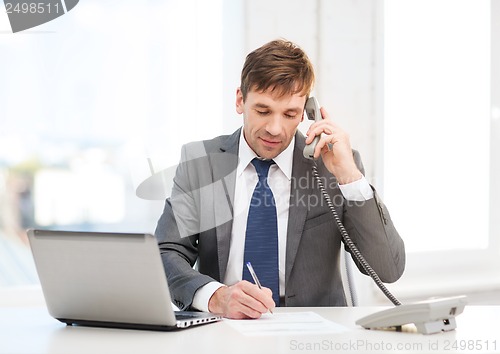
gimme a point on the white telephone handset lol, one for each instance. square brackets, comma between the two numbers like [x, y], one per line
[313, 112]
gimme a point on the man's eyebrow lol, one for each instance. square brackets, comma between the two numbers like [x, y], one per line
[263, 105]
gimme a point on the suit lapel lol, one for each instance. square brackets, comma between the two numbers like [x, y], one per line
[301, 184]
[224, 164]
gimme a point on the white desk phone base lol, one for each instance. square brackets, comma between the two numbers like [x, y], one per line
[431, 316]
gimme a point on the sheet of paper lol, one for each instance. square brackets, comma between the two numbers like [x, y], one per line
[291, 323]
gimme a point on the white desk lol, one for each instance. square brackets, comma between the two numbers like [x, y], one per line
[32, 330]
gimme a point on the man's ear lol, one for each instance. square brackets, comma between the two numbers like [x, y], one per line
[239, 101]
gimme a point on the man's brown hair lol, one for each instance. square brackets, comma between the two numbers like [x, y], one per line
[280, 66]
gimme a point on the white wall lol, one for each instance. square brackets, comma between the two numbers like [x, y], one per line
[495, 122]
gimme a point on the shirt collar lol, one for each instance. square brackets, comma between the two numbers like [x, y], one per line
[283, 160]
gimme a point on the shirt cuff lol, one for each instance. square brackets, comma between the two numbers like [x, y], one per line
[203, 295]
[357, 191]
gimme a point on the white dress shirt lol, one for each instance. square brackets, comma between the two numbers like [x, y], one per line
[279, 180]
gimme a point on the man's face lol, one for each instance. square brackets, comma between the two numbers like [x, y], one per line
[269, 122]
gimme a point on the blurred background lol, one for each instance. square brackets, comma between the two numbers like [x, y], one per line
[96, 101]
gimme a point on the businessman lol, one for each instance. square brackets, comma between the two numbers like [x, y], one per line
[251, 197]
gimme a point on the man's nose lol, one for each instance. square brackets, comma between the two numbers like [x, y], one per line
[273, 126]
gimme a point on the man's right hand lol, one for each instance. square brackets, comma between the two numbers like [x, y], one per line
[241, 300]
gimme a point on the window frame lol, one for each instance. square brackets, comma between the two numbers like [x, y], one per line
[447, 272]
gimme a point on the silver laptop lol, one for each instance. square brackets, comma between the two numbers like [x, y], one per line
[107, 280]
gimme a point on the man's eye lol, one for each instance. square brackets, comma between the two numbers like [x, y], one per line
[263, 113]
[290, 116]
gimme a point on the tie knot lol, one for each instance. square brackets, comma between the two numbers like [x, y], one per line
[262, 167]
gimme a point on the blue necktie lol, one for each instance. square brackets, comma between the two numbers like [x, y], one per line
[261, 240]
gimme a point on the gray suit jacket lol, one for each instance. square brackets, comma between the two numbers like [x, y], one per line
[196, 223]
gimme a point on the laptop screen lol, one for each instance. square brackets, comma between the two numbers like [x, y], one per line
[108, 277]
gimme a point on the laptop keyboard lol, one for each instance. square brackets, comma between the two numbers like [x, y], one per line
[186, 315]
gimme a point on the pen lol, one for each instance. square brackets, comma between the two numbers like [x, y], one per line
[254, 277]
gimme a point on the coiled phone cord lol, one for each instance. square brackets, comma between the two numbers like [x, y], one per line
[347, 240]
